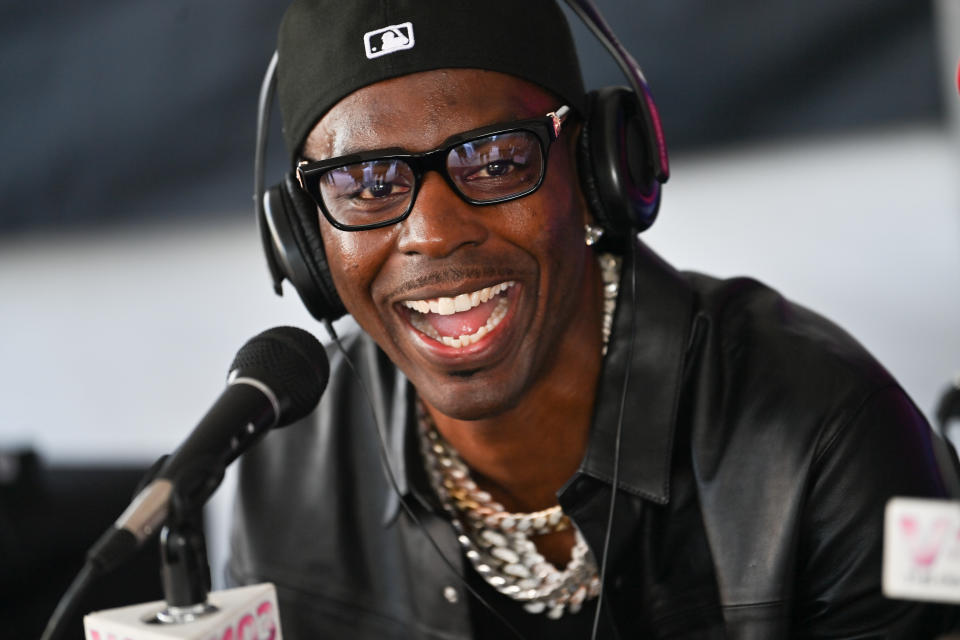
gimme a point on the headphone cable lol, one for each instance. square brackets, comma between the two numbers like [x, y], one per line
[619, 433]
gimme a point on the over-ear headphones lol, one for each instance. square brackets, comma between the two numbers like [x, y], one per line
[621, 159]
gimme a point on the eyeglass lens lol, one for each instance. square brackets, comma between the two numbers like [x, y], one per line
[486, 169]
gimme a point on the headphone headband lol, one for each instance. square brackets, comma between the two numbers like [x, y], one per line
[597, 24]
[267, 89]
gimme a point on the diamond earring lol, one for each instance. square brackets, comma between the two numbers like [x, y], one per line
[592, 234]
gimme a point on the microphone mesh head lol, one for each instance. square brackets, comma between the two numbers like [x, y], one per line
[292, 363]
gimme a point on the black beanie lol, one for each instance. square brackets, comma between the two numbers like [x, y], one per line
[330, 48]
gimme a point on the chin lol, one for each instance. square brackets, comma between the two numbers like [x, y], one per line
[463, 397]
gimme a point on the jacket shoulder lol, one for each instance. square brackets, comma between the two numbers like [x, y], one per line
[767, 356]
[798, 438]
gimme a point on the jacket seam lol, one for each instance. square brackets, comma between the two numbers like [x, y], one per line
[840, 430]
[755, 605]
[675, 401]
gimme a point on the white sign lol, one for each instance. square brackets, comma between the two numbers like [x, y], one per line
[244, 613]
[921, 550]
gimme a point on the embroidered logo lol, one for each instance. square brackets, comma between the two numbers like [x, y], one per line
[396, 37]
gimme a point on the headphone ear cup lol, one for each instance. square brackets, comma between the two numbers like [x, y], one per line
[615, 163]
[296, 248]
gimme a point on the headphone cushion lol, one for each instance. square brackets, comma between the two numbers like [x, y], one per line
[588, 179]
[304, 222]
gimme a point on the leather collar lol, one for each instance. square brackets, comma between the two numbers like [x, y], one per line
[646, 352]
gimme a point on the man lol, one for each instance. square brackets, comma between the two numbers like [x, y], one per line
[753, 444]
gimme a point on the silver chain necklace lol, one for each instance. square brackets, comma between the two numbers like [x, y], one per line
[497, 542]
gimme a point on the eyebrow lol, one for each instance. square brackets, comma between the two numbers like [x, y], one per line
[349, 151]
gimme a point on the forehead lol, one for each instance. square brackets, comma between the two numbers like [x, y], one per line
[419, 111]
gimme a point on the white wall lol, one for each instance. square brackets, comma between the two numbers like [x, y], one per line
[113, 344]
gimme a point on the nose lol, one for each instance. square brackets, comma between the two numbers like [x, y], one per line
[440, 222]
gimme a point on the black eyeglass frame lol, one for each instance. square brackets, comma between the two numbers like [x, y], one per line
[546, 128]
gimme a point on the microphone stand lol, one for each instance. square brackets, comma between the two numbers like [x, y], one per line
[185, 570]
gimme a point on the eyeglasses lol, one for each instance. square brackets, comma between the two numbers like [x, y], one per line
[484, 166]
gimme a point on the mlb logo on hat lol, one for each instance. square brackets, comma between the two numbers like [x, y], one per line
[396, 37]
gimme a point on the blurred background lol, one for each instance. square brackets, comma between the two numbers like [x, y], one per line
[815, 146]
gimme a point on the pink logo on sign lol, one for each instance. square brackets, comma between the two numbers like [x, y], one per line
[262, 626]
[924, 542]
[266, 623]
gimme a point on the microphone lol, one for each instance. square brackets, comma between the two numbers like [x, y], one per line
[275, 379]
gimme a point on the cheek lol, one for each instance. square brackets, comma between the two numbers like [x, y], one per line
[558, 228]
[560, 239]
[353, 262]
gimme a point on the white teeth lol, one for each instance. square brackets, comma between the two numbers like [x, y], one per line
[498, 313]
[445, 307]
[463, 302]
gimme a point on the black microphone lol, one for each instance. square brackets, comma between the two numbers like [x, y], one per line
[276, 378]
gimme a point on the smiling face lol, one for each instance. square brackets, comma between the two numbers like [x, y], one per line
[477, 305]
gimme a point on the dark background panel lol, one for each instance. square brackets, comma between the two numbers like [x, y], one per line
[49, 517]
[743, 70]
[113, 111]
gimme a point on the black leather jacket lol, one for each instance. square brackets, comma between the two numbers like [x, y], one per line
[759, 447]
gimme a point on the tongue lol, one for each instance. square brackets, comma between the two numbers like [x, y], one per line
[463, 323]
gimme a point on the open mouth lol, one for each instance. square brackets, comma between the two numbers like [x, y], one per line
[461, 320]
